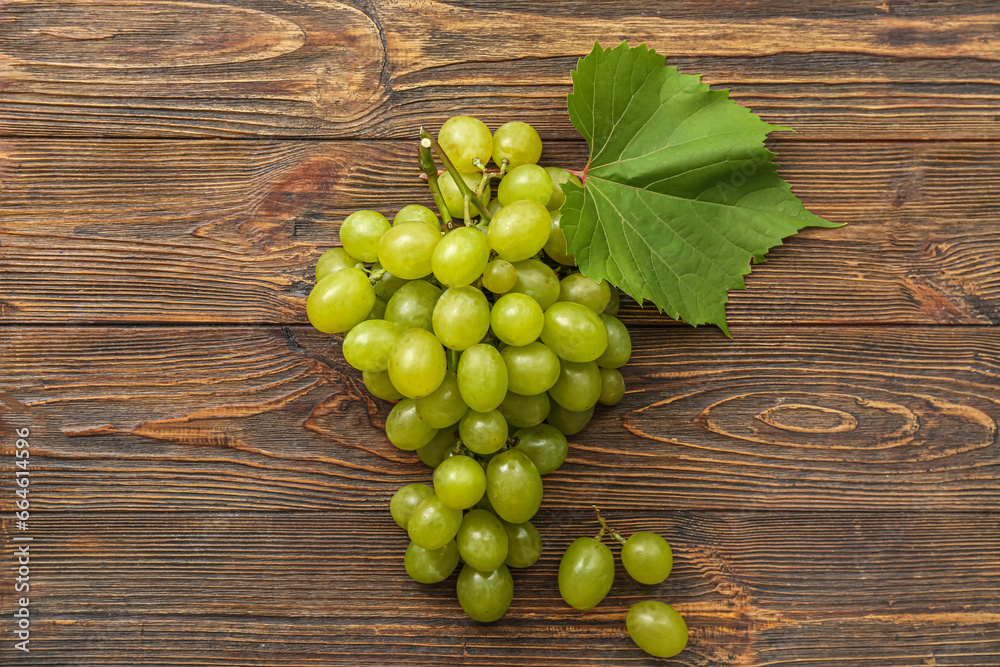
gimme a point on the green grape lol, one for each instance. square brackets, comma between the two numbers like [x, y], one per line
[538, 281]
[482, 377]
[461, 257]
[360, 233]
[380, 386]
[332, 260]
[387, 284]
[519, 230]
[482, 540]
[614, 304]
[483, 432]
[521, 411]
[412, 306]
[566, 421]
[485, 596]
[340, 301]
[531, 369]
[619, 343]
[586, 572]
[412, 212]
[524, 544]
[612, 387]
[405, 500]
[444, 406]
[461, 317]
[430, 566]
[559, 176]
[440, 447]
[378, 310]
[459, 482]
[574, 332]
[455, 200]
[529, 181]
[406, 249]
[578, 386]
[499, 276]
[647, 558]
[417, 363]
[657, 628]
[544, 444]
[518, 143]
[555, 247]
[367, 346]
[580, 289]
[433, 524]
[463, 139]
[517, 319]
[404, 428]
[493, 207]
[513, 486]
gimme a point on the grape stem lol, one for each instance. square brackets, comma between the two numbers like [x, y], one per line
[606, 528]
[429, 168]
[426, 136]
[375, 274]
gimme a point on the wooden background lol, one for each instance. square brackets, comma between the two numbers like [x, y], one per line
[209, 484]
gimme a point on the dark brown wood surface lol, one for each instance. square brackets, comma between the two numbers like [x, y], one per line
[209, 479]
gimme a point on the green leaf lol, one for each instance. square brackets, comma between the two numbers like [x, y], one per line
[680, 194]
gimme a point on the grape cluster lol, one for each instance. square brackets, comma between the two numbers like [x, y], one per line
[492, 346]
[587, 570]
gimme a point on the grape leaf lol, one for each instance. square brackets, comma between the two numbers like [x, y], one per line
[679, 194]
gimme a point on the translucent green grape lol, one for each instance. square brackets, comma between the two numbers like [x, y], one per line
[360, 234]
[513, 486]
[416, 212]
[544, 444]
[538, 281]
[332, 260]
[574, 332]
[380, 386]
[444, 406]
[482, 540]
[461, 317]
[517, 319]
[406, 249]
[524, 544]
[463, 139]
[499, 276]
[387, 284]
[586, 573]
[440, 447]
[453, 197]
[518, 143]
[461, 257]
[555, 247]
[482, 377]
[559, 176]
[459, 481]
[521, 411]
[567, 421]
[614, 304]
[417, 363]
[430, 566]
[412, 306]
[612, 387]
[647, 558]
[483, 432]
[578, 386]
[528, 181]
[519, 230]
[619, 347]
[404, 428]
[405, 500]
[340, 301]
[367, 346]
[433, 524]
[485, 596]
[657, 628]
[531, 369]
[580, 289]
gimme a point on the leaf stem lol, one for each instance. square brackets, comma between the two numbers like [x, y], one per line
[426, 136]
[429, 168]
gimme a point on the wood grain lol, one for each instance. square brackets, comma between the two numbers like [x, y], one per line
[223, 231]
[319, 589]
[369, 69]
[242, 418]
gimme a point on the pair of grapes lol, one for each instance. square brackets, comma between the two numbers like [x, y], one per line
[491, 345]
[587, 570]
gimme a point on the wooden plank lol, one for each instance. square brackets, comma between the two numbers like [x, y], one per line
[360, 69]
[240, 418]
[127, 588]
[224, 231]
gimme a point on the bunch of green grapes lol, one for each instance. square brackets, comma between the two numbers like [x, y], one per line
[493, 348]
[587, 570]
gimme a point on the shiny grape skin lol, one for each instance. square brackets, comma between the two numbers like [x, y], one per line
[516, 319]
[404, 427]
[519, 230]
[483, 432]
[555, 247]
[657, 628]
[574, 332]
[405, 500]
[482, 540]
[586, 573]
[619, 347]
[647, 558]
[367, 346]
[406, 249]
[459, 482]
[482, 377]
[524, 544]
[499, 276]
[528, 181]
[612, 387]
[464, 138]
[578, 387]
[518, 143]
[544, 444]
[531, 369]
[567, 421]
[380, 386]
[559, 176]
[340, 301]
[580, 289]
[332, 260]
[485, 596]
[461, 317]
[412, 212]
[417, 363]
[453, 197]
[430, 566]
[444, 406]
[440, 448]
[433, 524]
[514, 486]
[360, 233]
[538, 281]
[412, 305]
[523, 411]
[460, 257]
